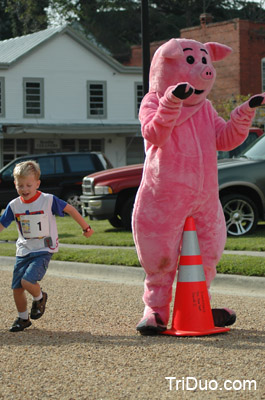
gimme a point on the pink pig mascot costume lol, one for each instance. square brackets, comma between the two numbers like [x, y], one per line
[182, 133]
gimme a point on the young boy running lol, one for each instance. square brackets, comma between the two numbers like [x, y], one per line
[34, 213]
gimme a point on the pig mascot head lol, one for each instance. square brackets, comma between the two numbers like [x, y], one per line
[183, 60]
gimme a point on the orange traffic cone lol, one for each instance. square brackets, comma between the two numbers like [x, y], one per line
[192, 314]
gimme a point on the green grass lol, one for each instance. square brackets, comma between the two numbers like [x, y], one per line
[241, 265]
[99, 256]
[254, 242]
[70, 232]
[106, 235]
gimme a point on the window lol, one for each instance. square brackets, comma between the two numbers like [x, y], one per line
[2, 97]
[134, 150]
[138, 89]
[80, 163]
[68, 144]
[96, 100]
[90, 145]
[82, 145]
[13, 148]
[50, 165]
[263, 74]
[33, 92]
[97, 144]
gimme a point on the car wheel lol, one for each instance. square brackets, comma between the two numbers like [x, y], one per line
[74, 200]
[126, 213]
[115, 222]
[241, 214]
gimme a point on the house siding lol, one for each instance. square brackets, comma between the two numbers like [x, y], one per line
[66, 67]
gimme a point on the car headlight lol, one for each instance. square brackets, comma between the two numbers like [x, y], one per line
[99, 190]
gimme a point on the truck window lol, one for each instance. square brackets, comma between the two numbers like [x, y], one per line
[80, 163]
[50, 165]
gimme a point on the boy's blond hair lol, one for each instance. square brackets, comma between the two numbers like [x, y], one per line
[26, 168]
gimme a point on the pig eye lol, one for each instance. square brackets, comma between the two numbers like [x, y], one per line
[204, 61]
[190, 59]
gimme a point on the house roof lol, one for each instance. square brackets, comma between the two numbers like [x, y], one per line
[13, 50]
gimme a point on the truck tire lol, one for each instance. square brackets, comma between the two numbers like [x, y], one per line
[73, 198]
[126, 213]
[115, 222]
[241, 214]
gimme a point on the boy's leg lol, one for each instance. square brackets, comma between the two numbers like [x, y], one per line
[34, 273]
[33, 288]
[22, 321]
[20, 299]
[39, 298]
[19, 295]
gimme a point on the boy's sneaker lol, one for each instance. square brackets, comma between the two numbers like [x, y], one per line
[223, 317]
[38, 307]
[19, 325]
[151, 325]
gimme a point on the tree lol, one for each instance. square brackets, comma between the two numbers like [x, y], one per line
[20, 17]
[5, 23]
[116, 24]
[27, 16]
[251, 10]
[225, 107]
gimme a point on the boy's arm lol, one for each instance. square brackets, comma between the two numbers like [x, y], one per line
[1, 227]
[87, 230]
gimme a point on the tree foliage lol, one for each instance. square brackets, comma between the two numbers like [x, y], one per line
[20, 17]
[225, 107]
[116, 24]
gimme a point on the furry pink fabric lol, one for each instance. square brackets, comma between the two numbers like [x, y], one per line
[180, 171]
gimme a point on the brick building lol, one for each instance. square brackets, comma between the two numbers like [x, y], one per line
[243, 71]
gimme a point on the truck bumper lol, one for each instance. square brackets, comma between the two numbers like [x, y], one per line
[98, 207]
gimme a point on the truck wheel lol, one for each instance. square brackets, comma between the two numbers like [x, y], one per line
[126, 213]
[241, 214]
[115, 222]
[74, 200]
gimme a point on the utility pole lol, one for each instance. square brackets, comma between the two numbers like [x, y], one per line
[145, 45]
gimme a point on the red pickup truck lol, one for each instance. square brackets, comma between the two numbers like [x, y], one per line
[110, 194]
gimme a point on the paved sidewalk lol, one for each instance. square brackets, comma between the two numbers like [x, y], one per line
[86, 347]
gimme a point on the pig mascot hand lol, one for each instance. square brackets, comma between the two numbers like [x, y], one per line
[182, 132]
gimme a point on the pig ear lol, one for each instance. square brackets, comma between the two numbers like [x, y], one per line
[171, 49]
[217, 51]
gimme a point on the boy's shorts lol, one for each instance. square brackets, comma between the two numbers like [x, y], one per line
[31, 267]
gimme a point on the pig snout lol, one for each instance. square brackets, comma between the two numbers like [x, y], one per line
[207, 73]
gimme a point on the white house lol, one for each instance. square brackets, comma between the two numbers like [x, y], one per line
[59, 92]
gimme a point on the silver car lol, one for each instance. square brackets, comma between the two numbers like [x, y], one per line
[242, 189]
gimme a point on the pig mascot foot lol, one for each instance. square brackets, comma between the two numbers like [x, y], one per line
[154, 320]
[223, 317]
[151, 324]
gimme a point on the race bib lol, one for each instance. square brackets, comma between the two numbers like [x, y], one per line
[34, 226]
